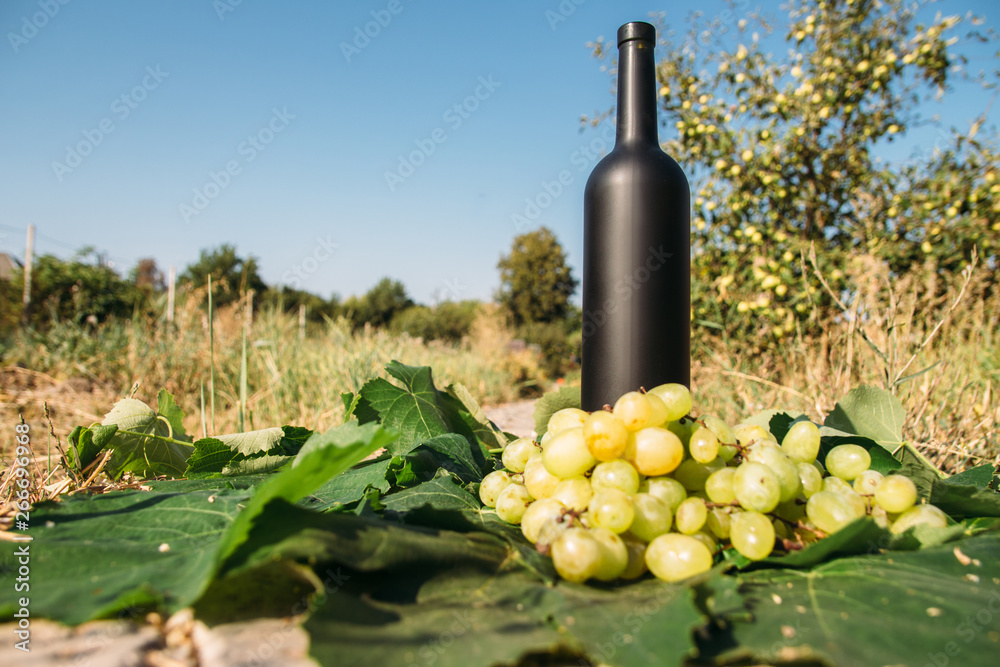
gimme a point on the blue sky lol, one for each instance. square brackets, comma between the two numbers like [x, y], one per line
[249, 122]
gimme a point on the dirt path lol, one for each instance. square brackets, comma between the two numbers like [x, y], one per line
[517, 417]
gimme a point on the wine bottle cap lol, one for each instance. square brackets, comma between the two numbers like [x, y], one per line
[636, 30]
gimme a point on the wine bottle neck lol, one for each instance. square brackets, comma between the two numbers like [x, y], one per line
[636, 93]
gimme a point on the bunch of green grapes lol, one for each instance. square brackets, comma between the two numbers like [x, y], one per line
[643, 485]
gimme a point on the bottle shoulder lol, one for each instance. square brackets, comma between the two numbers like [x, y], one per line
[643, 162]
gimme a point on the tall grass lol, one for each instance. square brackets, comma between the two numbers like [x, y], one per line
[289, 380]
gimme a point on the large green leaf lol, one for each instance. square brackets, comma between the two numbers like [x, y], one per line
[323, 456]
[935, 606]
[349, 486]
[147, 443]
[252, 442]
[870, 412]
[95, 557]
[246, 453]
[414, 410]
[467, 616]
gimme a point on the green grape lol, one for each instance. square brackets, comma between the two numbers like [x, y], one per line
[538, 514]
[831, 511]
[719, 486]
[919, 515]
[896, 494]
[752, 534]
[790, 511]
[693, 475]
[703, 445]
[565, 419]
[614, 554]
[633, 410]
[747, 434]
[836, 485]
[881, 517]
[691, 516]
[515, 455]
[512, 503]
[550, 531]
[667, 489]
[781, 530]
[772, 456]
[675, 397]
[801, 443]
[756, 487]
[654, 451]
[576, 555]
[540, 482]
[867, 482]
[574, 493]
[672, 557]
[636, 558]
[492, 485]
[605, 436]
[658, 416]
[719, 521]
[652, 517]
[810, 477]
[848, 461]
[567, 455]
[682, 428]
[727, 441]
[708, 540]
[617, 474]
[611, 509]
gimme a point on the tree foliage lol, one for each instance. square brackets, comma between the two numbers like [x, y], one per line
[782, 148]
[536, 283]
[76, 290]
[379, 304]
[232, 275]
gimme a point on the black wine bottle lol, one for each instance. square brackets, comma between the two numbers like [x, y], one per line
[637, 245]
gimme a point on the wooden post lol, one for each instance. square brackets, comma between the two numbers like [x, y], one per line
[171, 286]
[29, 251]
[302, 321]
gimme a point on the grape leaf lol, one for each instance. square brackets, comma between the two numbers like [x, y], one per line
[87, 443]
[249, 453]
[323, 456]
[169, 410]
[252, 442]
[870, 412]
[457, 450]
[468, 617]
[146, 442]
[415, 410]
[980, 476]
[349, 486]
[97, 556]
[900, 608]
[551, 403]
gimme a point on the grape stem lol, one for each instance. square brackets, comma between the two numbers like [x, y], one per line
[495, 451]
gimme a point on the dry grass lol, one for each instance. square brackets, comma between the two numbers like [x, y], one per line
[890, 331]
